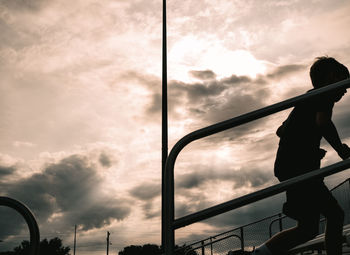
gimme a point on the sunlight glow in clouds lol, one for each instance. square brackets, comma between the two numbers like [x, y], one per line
[80, 103]
[212, 55]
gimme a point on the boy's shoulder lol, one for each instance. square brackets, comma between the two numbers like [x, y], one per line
[317, 104]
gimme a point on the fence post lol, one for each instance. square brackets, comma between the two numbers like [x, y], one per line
[203, 250]
[280, 221]
[242, 238]
[211, 246]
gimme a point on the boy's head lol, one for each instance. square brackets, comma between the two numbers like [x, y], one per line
[326, 70]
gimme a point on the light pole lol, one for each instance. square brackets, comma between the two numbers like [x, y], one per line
[164, 116]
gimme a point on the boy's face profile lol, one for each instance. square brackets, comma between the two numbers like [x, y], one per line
[338, 94]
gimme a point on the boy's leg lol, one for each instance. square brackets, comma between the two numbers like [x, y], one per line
[305, 230]
[299, 206]
[334, 228]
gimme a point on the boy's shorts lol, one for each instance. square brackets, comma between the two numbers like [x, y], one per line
[308, 201]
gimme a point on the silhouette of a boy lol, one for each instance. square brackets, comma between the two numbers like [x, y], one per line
[299, 152]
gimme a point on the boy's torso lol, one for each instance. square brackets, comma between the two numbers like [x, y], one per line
[299, 146]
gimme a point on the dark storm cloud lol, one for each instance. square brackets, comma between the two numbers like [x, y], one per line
[250, 213]
[181, 95]
[105, 160]
[10, 36]
[234, 105]
[239, 178]
[152, 82]
[145, 191]
[197, 91]
[11, 222]
[213, 100]
[150, 211]
[101, 214]
[194, 202]
[342, 121]
[20, 5]
[156, 104]
[189, 195]
[236, 80]
[69, 188]
[238, 217]
[6, 170]
[209, 101]
[285, 70]
[203, 75]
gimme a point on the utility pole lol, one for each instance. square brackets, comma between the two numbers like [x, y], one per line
[164, 117]
[108, 234]
[75, 238]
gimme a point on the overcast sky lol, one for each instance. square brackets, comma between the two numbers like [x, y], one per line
[80, 108]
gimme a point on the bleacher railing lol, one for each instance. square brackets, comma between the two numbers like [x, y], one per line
[257, 232]
[170, 224]
[341, 192]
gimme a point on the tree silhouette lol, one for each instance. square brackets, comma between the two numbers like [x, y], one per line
[153, 249]
[147, 249]
[52, 247]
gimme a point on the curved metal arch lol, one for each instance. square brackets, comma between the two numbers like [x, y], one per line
[29, 218]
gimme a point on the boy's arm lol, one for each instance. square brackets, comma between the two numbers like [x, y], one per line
[330, 133]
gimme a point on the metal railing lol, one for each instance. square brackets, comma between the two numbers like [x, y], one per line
[203, 245]
[281, 218]
[170, 224]
[239, 232]
[253, 234]
[30, 220]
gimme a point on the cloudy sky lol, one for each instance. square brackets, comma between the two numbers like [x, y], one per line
[80, 109]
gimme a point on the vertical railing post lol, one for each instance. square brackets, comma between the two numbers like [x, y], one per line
[169, 230]
[203, 250]
[242, 238]
[280, 221]
[211, 246]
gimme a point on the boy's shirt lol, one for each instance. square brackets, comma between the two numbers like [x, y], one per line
[299, 147]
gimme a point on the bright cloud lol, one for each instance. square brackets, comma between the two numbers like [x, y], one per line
[80, 104]
[210, 54]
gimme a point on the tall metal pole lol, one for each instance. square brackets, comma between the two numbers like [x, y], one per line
[164, 117]
[75, 238]
[108, 242]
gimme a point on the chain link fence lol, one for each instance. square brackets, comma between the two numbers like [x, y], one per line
[248, 236]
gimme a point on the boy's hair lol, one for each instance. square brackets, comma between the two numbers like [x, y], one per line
[326, 70]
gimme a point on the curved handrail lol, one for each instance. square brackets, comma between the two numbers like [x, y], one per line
[272, 222]
[29, 218]
[170, 224]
